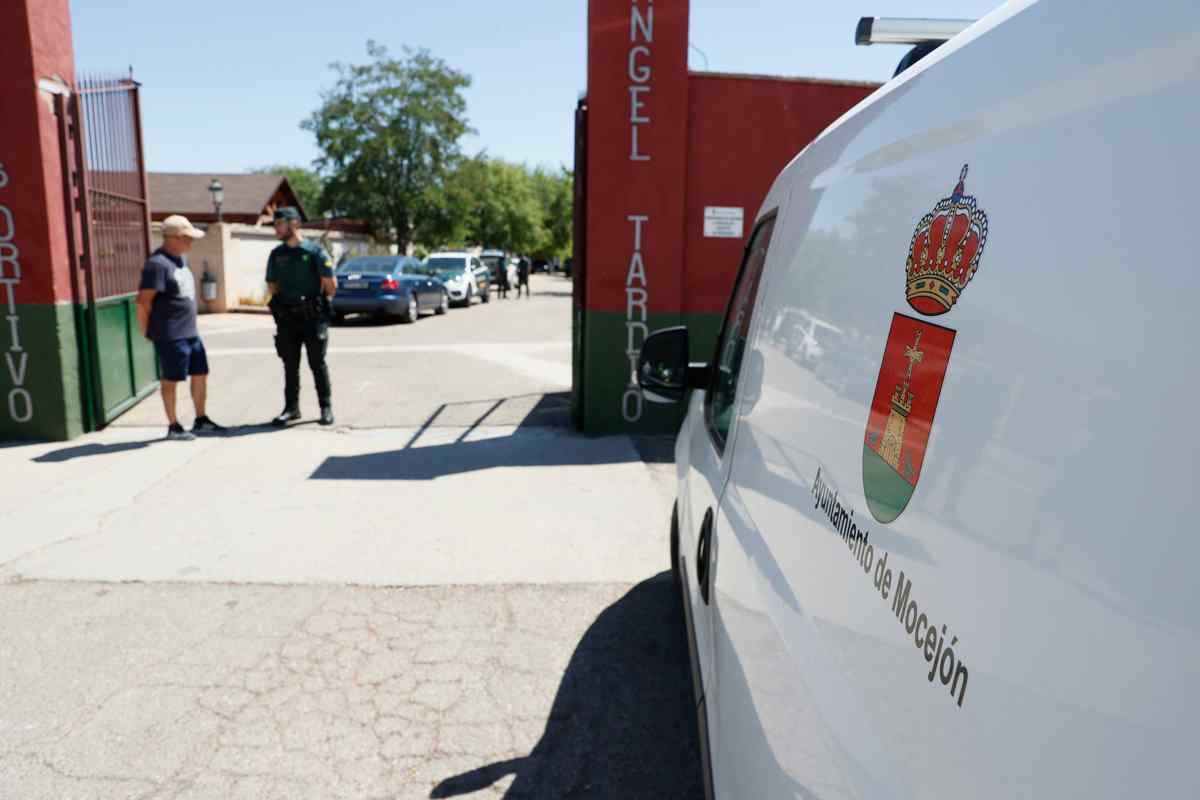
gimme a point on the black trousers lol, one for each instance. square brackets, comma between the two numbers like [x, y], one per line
[292, 333]
[523, 285]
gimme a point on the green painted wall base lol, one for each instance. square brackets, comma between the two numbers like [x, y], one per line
[603, 399]
[77, 369]
[40, 392]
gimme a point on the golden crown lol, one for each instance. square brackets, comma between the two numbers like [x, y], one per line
[945, 250]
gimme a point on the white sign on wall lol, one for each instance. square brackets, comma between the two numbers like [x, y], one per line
[723, 222]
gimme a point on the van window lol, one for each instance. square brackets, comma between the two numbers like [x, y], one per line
[735, 332]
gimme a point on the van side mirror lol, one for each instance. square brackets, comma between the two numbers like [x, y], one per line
[664, 373]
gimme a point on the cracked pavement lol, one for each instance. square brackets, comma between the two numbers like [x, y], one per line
[466, 603]
[201, 691]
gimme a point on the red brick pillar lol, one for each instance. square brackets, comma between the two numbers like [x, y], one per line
[39, 368]
[637, 167]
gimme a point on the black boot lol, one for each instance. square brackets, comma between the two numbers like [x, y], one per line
[326, 415]
[286, 416]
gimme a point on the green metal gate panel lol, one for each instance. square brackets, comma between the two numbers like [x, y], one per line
[145, 361]
[126, 367]
[111, 331]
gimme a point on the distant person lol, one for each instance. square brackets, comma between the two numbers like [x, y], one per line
[166, 313]
[301, 282]
[510, 272]
[523, 277]
[502, 276]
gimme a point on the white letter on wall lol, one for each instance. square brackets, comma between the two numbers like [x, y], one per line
[636, 105]
[638, 220]
[638, 73]
[639, 23]
[635, 298]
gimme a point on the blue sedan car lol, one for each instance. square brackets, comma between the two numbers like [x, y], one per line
[392, 286]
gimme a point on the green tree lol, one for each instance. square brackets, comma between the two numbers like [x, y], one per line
[496, 204]
[306, 183]
[389, 134]
[555, 192]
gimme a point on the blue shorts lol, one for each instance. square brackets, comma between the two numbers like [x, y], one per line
[180, 358]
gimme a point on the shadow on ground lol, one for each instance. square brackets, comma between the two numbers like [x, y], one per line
[415, 462]
[85, 450]
[371, 321]
[623, 723]
[96, 449]
[436, 461]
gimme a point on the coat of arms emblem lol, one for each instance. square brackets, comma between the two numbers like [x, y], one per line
[943, 257]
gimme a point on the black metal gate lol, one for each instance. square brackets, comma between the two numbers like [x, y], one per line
[108, 218]
[579, 265]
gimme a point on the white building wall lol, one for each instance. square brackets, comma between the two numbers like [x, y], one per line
[236, 256]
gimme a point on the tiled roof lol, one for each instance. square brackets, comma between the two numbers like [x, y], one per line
[187, 193]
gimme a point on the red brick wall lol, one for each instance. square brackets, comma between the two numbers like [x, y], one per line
[742, 130]
[35, 44]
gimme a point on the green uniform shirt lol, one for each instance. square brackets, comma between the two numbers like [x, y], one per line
[298, 270]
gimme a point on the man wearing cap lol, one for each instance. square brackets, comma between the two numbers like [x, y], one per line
[300, 280]
[166, 312]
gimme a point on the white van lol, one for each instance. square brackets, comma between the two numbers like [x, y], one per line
[954, 553]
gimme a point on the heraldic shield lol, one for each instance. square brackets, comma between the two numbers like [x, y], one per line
[906, 397]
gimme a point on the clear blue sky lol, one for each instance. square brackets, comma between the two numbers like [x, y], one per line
[226, 83]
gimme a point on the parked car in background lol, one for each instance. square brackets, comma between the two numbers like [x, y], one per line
[463, 275]
[398, 286]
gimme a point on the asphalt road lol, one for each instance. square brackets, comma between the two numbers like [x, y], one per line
[448, 594]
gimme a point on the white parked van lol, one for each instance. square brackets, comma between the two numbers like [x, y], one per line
[951, 551]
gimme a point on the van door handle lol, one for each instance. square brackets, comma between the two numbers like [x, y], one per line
[704, 555]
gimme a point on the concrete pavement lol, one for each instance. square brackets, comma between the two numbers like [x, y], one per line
[446, 505]
[448, 594]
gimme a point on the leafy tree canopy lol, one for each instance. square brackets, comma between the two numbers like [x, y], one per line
[495, 203]
[389, 133]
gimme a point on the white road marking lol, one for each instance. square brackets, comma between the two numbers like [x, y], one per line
[551, 373]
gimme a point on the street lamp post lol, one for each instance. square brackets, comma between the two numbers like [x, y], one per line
[218, 196]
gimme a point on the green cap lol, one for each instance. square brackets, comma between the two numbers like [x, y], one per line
[287, 212]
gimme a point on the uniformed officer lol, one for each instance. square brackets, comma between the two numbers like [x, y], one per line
[523, 277]
[300, 279]
[502, 276]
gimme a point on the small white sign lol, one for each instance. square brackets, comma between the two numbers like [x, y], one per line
[723, 222]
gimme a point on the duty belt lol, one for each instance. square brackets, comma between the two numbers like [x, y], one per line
[303, 307]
